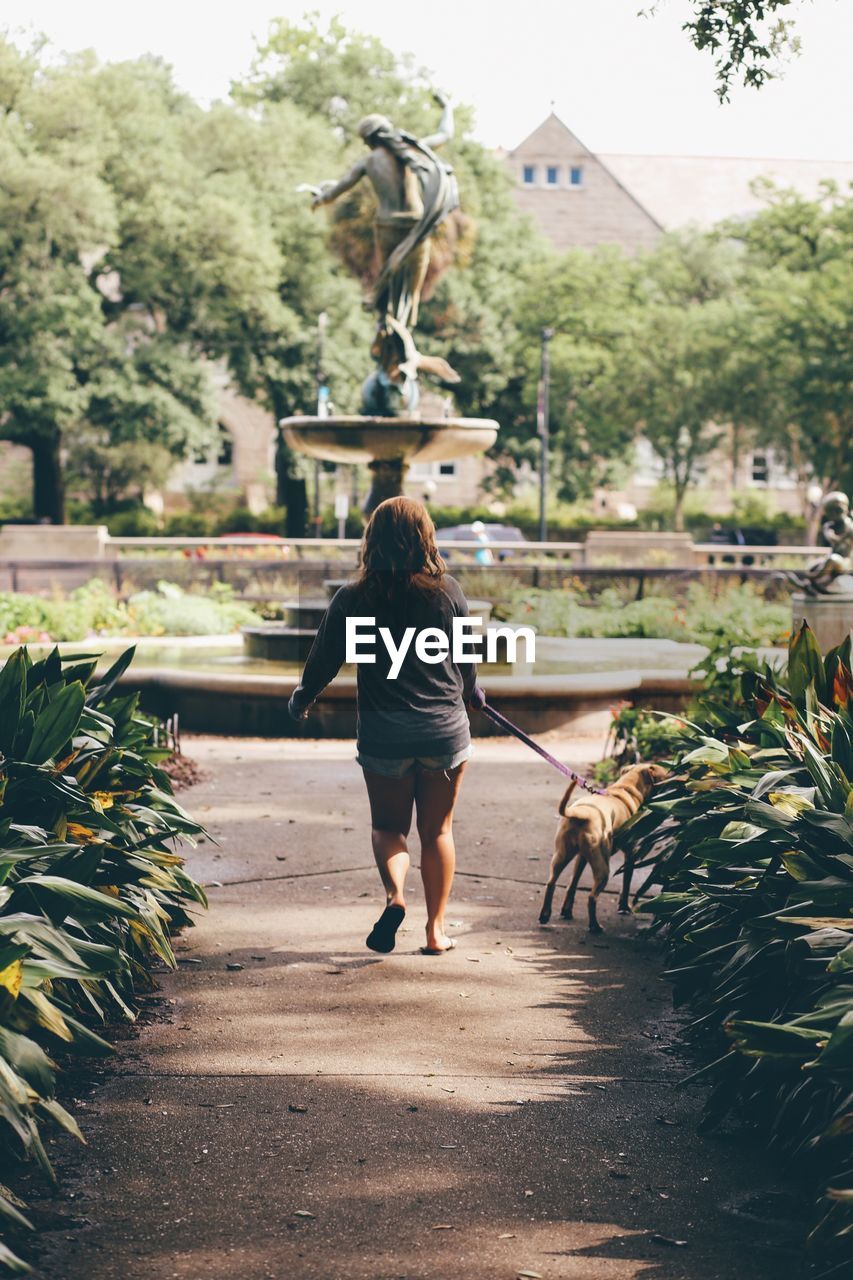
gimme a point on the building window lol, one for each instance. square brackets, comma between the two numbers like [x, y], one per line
[576, 176]
[760, 468]
[431, 470]
[225, 453]
[528, 175]
[553, 175]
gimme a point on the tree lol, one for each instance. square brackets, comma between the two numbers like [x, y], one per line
[794, 358]
[75, 353]
[746, 37]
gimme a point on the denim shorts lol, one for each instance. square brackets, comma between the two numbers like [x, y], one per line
[390, 768]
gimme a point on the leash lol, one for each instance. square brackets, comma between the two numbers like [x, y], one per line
[497, 718]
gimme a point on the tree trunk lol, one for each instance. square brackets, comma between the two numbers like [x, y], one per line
[678, 509]
[48, 484]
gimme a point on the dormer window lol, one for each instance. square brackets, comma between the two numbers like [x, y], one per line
[576, 176]
[528, 175]
[552, 175]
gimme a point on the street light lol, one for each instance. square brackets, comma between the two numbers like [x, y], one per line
[322, 408]
[542, 413]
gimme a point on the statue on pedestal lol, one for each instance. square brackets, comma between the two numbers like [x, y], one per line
[827, 575]
[415, 191]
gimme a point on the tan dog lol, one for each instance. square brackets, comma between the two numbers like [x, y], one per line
[586, 833]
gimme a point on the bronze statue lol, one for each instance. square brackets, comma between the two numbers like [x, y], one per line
[415, 191]
[821, 578]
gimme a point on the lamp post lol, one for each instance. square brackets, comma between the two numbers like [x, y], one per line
[542, 412]
[322, 409]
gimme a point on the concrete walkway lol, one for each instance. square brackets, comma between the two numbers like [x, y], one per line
[308, 1109]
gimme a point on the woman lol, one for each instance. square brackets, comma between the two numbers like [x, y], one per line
[413, 733]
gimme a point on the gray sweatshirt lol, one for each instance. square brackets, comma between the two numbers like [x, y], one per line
[421, 712]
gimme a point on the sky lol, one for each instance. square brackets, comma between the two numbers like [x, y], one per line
[620, 81]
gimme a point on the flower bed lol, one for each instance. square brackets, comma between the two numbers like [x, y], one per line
[91, 883]
[751, 843]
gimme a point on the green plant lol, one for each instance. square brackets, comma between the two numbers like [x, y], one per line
[91, 886]
[751, 843]
[735, 616]
[171, 611]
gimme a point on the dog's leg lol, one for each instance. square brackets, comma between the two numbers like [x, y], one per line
[569, 904]
[627, 872]
[600, 862]
[558, 861]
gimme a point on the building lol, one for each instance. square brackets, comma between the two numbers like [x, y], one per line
[580, 199]
[576, 200]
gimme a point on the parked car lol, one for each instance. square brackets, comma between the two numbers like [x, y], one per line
[480, 534]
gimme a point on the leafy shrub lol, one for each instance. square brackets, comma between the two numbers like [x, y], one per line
[751, 843]
[138, 522]
[93, 609]
[171, 611]
[92, 886]
[737, 615]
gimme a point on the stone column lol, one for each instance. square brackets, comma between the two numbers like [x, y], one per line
[830, 616]
[388, 477]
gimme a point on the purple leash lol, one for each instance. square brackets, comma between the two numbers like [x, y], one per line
[498, 719]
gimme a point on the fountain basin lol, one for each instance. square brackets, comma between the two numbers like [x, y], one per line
[358, 438]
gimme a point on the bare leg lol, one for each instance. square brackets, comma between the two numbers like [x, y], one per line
[391, 817]
[435, 797]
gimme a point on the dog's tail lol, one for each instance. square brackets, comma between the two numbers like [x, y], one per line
[565, 800]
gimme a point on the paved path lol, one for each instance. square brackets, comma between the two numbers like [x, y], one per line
[325, 1113]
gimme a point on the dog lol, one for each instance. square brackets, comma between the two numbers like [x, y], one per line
[586, 833]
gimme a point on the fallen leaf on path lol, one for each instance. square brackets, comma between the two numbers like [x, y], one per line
[293, 1107]
[529, 1275]
[675, 1244]
[303, 1213]
[449, 1146]
[507, 1235]
[446, 1090]
[234, 966]
[442, 1226]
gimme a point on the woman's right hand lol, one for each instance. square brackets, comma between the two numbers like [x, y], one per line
[478, 698]
[295, 710]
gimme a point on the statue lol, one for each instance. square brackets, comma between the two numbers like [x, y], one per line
[416, 191]
[823, 577]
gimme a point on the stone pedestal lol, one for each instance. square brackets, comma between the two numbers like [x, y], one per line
[54, 542]
[829, 616]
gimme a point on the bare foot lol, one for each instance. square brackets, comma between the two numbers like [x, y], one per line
[437, 940]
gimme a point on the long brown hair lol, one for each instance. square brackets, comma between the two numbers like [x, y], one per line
[399, 553]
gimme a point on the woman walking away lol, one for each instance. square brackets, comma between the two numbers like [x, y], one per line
[413, 733]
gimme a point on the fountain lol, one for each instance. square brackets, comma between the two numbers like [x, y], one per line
[415, 193]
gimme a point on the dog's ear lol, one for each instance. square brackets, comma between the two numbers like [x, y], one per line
[653, 773]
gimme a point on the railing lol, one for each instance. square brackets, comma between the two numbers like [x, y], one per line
[130, 564]
[695, 555]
